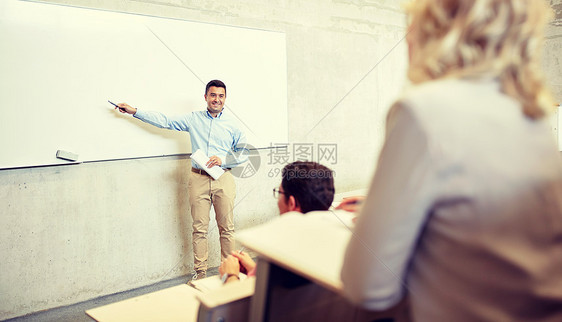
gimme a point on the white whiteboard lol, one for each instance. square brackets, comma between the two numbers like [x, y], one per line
[59, 65]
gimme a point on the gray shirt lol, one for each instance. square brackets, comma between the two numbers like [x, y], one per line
[464, 212]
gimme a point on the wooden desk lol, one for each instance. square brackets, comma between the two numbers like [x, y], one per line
[298, 274]
[174, 304]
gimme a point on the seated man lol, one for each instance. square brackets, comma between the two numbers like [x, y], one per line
[305, 187]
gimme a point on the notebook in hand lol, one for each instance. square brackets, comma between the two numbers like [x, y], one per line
[201, 159]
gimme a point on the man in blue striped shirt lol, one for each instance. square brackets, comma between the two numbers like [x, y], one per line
[218, 135]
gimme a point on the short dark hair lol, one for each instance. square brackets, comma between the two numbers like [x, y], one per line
[215, 83]
[310, 183]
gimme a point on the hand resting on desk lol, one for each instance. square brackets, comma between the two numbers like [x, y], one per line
[236, 263]
[351, 204]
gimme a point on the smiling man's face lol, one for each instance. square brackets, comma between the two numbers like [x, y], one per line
[215, 98]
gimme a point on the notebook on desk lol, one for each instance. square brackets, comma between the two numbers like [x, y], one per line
[211, 283]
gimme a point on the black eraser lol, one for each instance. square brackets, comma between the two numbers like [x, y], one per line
[65, 155]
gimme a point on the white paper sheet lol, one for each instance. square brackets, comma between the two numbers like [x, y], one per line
[201, 159]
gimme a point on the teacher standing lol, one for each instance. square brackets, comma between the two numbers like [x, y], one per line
[217, 134]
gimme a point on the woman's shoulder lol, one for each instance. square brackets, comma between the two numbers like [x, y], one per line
[451, 89]
[454, 95]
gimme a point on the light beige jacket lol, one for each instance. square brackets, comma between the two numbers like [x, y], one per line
[464, 212]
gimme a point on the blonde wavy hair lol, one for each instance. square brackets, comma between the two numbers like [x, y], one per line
[489, 38]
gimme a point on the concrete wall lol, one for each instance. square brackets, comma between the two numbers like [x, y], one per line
[72, 233]
[553, 52]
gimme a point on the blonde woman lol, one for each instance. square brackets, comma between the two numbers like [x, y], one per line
[464, 213]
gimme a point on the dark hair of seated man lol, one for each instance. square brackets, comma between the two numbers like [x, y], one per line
[310, 183]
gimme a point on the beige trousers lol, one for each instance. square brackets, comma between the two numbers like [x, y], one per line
[204, 191]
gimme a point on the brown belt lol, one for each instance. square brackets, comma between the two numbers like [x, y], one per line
[203, 172]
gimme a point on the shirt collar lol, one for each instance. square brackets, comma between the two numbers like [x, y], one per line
[218, 116]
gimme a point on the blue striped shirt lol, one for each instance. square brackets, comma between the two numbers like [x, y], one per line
[218, 136]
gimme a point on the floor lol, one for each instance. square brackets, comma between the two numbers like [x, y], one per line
[76, 312]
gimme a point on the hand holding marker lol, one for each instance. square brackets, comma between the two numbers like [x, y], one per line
[116, 106]
[124, 108]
